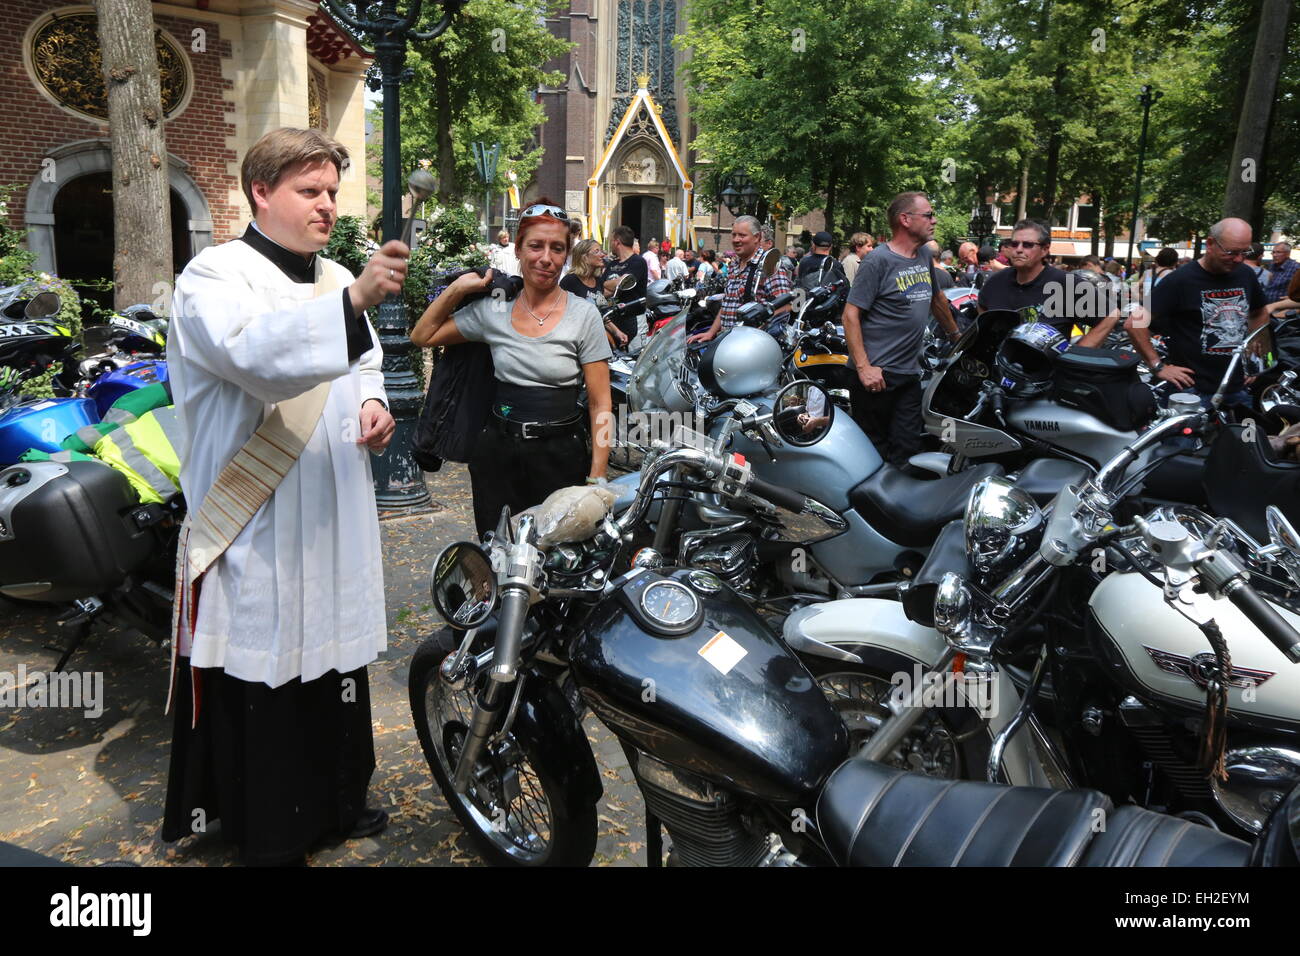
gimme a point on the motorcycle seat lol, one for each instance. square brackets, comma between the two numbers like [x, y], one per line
[911, 511]
[873, 815]
[1241, 479]
[869, 814]
[1138, 837]
[1042, 478]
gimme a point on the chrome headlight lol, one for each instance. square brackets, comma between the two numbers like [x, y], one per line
[1003, 525]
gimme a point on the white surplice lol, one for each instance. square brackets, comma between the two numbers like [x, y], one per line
[300, 591]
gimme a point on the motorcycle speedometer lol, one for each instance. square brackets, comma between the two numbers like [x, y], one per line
[670, 606]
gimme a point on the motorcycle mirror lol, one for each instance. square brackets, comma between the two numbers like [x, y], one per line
[625, 282]
[464, 587]
[1282, 533]
[803, 413]
[43, 304]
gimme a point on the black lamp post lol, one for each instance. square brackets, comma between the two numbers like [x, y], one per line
[399, 481]
[1146, 99]
[981, 225]
[485, 163]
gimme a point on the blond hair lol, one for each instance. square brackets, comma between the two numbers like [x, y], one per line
[272, 155]
[578, 264]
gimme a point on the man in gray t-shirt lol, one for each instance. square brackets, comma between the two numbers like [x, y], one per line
[890, 303]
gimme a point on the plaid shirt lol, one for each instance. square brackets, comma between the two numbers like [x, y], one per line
[778, 283]
[1276, 288]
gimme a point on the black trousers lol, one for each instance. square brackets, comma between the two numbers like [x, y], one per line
[281, 769]
[892, 418]
[521, 472]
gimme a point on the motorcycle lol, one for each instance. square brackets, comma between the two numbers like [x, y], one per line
[891, 518]
[1067, 646]
[736, 747]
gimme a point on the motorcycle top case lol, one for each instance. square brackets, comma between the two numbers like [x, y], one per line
[42, 423]
[723, 698]
[67, 531]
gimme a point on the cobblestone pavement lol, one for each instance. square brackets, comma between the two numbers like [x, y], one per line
[90, 790]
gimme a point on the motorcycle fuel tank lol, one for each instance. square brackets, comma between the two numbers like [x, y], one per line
[1167, 654]
[722, 696]
[825, 471]
[1069, 428]
[111, 386]
[42, 423]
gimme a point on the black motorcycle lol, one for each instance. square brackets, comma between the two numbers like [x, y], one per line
[736, 748]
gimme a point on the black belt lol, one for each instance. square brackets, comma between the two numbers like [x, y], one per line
[535, 429]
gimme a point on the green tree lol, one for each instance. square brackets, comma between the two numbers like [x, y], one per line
[824, 104]
[477, 82]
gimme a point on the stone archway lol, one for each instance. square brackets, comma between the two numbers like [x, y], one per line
[74, 160]
[644, 185]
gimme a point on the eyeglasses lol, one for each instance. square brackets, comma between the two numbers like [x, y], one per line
[1230, 253]
[541, 209]
[928, 215]
[1022, 244]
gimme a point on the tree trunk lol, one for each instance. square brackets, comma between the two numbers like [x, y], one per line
[1096, 222]
[1256, 111]
[1022, 193]
[448, 188]
[1052, 178]
[142, 235]
[829, 211]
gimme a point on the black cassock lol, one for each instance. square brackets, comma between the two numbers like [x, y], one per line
[281, 769]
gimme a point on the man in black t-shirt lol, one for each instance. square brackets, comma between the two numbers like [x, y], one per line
[1029, 281]
[819, 263]
[625, 261]
[1204, 310]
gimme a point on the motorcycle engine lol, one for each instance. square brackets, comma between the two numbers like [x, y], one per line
[705, 824]
[732, 557]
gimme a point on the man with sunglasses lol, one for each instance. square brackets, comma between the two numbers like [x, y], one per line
[893, 295]
[1029, 282]
[1204, 310]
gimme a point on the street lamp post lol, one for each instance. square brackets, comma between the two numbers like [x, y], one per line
[485, 161]
[399, 481]
[981, 225]
[1146, 99]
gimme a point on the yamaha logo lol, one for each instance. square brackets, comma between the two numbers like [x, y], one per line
[1036, 425]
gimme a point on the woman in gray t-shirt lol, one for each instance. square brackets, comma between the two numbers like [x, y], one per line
[546, 344]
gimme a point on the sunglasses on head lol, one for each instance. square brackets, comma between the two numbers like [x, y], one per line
[541, 209]
[1022, 244]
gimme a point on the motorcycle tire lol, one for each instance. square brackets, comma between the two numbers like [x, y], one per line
[572, 817]
[961, 731]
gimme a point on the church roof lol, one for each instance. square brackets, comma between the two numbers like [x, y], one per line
[328, 42]
[642, 101]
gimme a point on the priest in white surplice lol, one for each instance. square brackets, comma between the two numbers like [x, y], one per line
[272, 728]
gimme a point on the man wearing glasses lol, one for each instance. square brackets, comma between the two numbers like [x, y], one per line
[1029, 282]
[890, 303]
[1204, 310]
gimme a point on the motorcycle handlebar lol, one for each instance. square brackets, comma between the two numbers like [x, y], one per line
[1265, 617]
[1113, 470]
[777, 494]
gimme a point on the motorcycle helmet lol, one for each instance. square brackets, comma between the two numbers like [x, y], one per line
[742, 362]
[1027, 357]
[661, 301]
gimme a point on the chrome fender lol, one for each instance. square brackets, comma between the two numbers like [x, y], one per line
[882, 625]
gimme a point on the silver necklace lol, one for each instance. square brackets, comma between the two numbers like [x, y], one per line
[541, 320]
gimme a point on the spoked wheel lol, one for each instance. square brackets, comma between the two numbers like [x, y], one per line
[946, 742]
[514, 808]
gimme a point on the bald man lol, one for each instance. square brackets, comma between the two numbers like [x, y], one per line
[1204, 310]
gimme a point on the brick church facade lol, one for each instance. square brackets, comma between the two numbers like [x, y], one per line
[231, 71]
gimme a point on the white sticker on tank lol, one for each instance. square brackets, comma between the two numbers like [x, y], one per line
[40, 405]
[722, 652]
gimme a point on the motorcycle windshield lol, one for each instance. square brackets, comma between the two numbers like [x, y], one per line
[658, 367]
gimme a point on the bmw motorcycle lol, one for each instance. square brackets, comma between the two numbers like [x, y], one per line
[737, 748]
[1082, 644]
